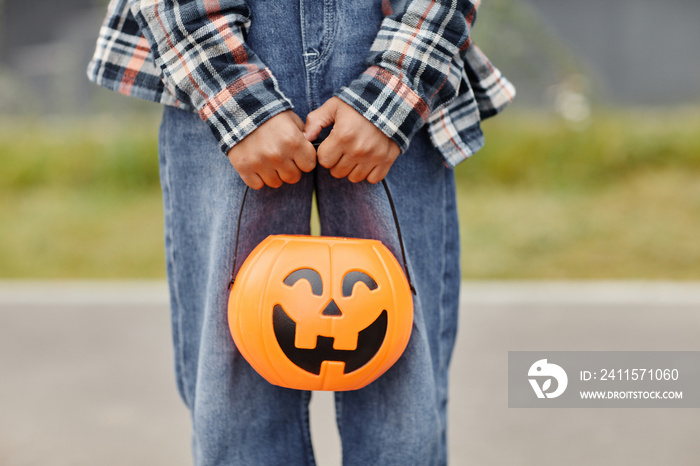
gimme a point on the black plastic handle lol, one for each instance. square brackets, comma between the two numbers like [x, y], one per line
[393, 212]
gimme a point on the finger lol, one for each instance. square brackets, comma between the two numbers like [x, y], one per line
[253, 180]
[320, 118]
[329, 152]
[288, 172]
[344, 166]
[271, 178]
[297, 121]
[378, 173]
[359, 173]
[305, 158]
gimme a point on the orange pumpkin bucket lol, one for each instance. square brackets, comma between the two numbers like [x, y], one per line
[321, 313]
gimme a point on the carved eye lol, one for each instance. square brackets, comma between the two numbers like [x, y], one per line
[310, 275]
[351, 278]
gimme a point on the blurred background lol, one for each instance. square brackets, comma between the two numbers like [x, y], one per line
[591, 173]
[590, 176]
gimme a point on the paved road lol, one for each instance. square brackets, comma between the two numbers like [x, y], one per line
[86, 379]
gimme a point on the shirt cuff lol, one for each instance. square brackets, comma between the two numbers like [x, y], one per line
[242, 106]
[389, 103]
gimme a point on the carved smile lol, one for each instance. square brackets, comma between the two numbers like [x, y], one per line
[369, 341]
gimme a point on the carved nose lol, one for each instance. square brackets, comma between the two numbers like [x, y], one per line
[332, 310]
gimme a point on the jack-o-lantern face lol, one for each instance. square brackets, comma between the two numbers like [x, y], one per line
[368, 340]
[318, 313]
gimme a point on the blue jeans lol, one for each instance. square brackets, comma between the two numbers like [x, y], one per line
[238, 418]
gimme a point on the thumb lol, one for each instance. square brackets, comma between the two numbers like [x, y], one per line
[297, 121]
[320, 118]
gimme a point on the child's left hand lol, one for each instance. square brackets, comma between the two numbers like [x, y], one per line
[355, 148]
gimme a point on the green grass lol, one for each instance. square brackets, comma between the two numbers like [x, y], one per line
[617, 199]
[644, 227]
[80, 199]
[544, 152]
[99, 154]
[61, 233]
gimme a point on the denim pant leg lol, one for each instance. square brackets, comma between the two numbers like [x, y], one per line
[401, 418]
[238, 418]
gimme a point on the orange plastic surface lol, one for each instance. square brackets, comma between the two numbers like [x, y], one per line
[288, 307]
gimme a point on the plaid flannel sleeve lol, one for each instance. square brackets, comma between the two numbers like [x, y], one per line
[203, 59]
[409, 66]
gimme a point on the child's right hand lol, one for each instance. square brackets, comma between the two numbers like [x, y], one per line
[276, 152]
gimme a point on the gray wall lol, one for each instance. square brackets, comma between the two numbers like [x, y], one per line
[640, 51]
[631, 52]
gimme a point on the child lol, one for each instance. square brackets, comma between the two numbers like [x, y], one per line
[246, 86]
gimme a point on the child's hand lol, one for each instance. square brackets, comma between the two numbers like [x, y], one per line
[275, 153]
[355, 148]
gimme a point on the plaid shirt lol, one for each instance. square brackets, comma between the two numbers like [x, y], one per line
[422, 69]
